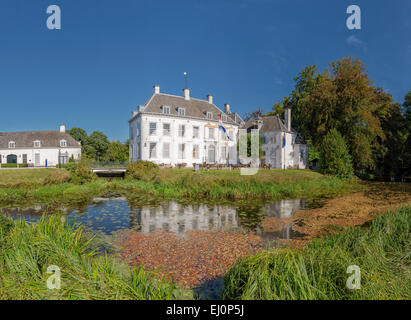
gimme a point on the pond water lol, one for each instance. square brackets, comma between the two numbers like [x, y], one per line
[112, 214]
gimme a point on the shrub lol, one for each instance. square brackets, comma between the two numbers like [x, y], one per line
[57, 177]
[80, 172]
[9, 165]
[23, 165]
[334, 156]
[142, 170]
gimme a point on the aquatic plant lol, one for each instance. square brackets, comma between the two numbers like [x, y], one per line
[26, 252]
[319, 271]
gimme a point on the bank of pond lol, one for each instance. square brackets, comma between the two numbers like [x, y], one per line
[85, 244]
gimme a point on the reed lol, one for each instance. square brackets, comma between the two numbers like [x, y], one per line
[318, 271]
[26, 251]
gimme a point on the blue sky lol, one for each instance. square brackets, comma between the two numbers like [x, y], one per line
[108, 54]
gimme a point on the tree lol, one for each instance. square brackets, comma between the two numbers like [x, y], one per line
[96, 145]
[335, 158]
[117, 152]
[253, 115]
[78, 134]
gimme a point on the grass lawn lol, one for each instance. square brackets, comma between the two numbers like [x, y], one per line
[55, 185]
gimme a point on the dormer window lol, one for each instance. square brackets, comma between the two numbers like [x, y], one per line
[209, 115]
[166, 109]
[37, 144]
[12, 145]
[63, 143]
[181, 111]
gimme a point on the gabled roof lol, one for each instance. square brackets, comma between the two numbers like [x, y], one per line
[194, 108]
[272, 124]
[48, 139]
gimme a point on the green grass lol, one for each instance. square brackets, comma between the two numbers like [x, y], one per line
[172, 184]
[26, 251]
[382, 251]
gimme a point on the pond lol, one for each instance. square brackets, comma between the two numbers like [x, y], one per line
[108, 215]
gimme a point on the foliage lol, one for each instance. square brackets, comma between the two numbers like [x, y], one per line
[78, 134]
[344, 98]
[142, 170]
[334, 156]
[27, 250]
[81, 172]
[117, 152]
[319, 271]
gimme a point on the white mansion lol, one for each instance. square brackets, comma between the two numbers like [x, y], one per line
[38, 148]
[283, 147]
[172, 130]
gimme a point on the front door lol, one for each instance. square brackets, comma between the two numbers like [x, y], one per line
[11, 158]
[24, 158]
[37, 159]
[211, 154]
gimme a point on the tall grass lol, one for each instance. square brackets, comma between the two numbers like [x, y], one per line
[382, 251]
[26, 251]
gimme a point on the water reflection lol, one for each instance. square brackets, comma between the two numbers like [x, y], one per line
[108, 215]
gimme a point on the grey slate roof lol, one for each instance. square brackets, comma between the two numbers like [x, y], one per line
[273, 124]
[25, 139]
[194, 108]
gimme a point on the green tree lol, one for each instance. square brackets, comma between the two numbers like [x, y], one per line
[117, 152]
[78, 134]
[96, 146]
[335, 158]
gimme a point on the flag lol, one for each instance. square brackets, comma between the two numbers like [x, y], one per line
[221, 127]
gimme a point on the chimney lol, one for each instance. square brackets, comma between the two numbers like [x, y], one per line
[186, 93]
[210, 99]
[287, 119]
[62, 128]
[156, 89]
[227, 108]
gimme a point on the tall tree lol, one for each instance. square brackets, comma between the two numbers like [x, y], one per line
[78, 134]
[96, 145]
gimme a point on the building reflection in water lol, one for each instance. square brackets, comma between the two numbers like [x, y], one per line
[178, 218]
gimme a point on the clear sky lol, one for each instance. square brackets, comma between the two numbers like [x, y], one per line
[108, 54]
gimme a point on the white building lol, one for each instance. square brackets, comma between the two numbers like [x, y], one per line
[38, 148]
[173, 130]
[283, 147]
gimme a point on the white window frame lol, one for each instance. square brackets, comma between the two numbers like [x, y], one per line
[165, 132]
[166, 155]
[63, 143]
[196, 132]
[181, 150]
[181, 130]
[196, 151]
[209, 115]
[12, 145]
[154, 133]
[152, 155]
[211, 136]
[166, 110]
[181, 111]
[37, 144]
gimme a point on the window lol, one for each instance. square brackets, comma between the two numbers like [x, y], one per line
[12, 145]
[153, 150]
[63, 143]
[209, 115]
[166, 129]
[37, 144]
[211, 133]
[196, 149]
[223, 136]
[181, 149]
[223, 153]
[181, 111]
[196, 132]
[153, 128]
[181, 130]
[166, 109]
[166, 150]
